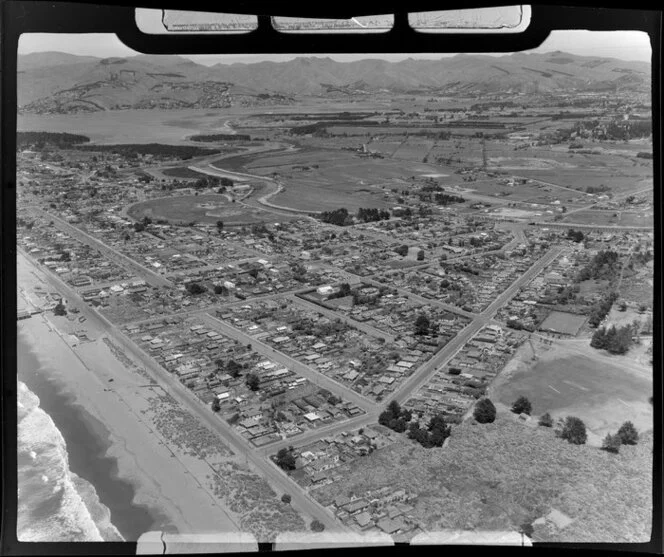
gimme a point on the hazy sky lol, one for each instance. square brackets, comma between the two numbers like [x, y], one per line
[627, 45]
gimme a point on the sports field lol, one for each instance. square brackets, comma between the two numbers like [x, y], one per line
[571, 379]
[562, 322]
[208, 208]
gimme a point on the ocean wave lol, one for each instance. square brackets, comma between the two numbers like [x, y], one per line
[54, 504]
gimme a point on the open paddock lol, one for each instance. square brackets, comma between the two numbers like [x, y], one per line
[207, 208]
[611, 218]
[182, 172]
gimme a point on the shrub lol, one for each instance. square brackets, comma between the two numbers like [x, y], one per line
[317, 526]
[546, 420]
[628, 434]
[522, 406]
[485, 411]
[611, 443]
[574, 431]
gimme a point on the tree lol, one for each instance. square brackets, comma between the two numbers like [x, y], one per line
[628, 434]
[285, 459]
[402, 250]
[574, 431]
[194, 288]
[422, 325]
[317, 526]
[233, 368]
[485, 411]
[611, 443]
[218, 289]
[253, 381]
[522, 406]
[285, 498]
[60, 309]
[216, 406]
[546, 420]
[420, 255]
[220, 225]
[413, 430]
[394, 408]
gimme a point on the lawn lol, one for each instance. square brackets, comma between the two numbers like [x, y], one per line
[497, 476]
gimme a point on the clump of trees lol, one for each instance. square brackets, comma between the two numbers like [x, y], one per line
[423, 325]
[574, 431]
[602, 266]
[485, 411]
[402, 250]
[220, 137]
[616, 340]
[194, 288]
[372, 215]
[447, 199]
[626, 435]
[522, 406]
[395, 417]
[433, 435]
[60, 309]
[155, 149]
[216, 405]
[546, 420]
[285, 459]
[601, 309]
[575, 235]
[338, 217]
[39, 140]
[253, 381]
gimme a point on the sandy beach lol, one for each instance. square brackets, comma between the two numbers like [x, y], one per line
[140, 419]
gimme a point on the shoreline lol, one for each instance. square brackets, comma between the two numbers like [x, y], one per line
[87, 443]
[122, 407]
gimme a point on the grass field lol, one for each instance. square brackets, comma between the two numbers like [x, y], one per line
[497, 476]
[199, 208]
[574, 379]
[561, 322]
[182, 172]
[604, 218]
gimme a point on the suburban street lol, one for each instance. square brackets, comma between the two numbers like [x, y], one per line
[150, 276]
[301, 369]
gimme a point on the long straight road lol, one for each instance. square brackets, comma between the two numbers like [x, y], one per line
[423, 373]
[298, 367]
[372, 331]
[113, 254]
[277, 478]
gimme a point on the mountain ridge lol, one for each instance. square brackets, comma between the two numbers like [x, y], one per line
[59, 82]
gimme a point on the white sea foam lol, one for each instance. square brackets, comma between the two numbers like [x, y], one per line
[54, 504]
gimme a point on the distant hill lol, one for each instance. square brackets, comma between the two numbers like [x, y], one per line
[58, 82]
